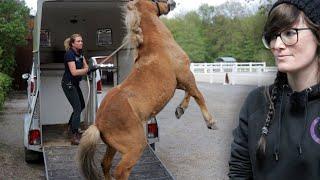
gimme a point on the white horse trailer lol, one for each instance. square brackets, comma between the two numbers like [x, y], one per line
[101, 26]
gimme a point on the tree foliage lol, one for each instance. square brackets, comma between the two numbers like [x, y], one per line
[5, 84]
[226, 30]
[13, 30]
[189, 35]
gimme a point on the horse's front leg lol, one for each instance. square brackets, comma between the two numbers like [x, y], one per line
[187, 81]
[183, 105]
[196, 94]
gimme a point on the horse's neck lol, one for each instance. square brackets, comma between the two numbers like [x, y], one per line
[155, 37]
[153, 30]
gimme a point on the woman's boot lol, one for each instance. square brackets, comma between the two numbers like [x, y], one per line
[75, 139]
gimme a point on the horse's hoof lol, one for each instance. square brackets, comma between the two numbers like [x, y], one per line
[179, 112]
[212, 126]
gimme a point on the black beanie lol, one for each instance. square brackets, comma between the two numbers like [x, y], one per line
[311, 8]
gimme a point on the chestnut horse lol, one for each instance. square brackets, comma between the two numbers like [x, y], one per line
[160, 67]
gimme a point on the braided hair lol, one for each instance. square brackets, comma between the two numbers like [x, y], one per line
[277, 87]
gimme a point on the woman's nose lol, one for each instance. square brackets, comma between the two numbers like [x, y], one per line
[278, 44]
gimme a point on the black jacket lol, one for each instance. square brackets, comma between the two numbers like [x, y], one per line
[293, 142]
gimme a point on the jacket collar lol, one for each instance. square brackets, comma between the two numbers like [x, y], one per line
[313, 92]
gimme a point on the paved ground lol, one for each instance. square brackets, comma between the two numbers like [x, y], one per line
[186, 147]
[238, 78]
[190, 150]
[12, 164]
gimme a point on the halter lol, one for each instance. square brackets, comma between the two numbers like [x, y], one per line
[157, 3]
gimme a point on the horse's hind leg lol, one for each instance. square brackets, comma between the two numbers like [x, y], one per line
[188, 82]
[130, 142]
[128, 160]
[183, 105]
[107, 162]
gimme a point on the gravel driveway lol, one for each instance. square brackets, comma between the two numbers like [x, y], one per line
[12, 164]
[190, 150]
[186, 147]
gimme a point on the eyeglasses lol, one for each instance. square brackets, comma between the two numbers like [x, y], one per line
[289, 37]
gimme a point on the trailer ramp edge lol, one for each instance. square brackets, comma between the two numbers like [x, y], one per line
[60, 164]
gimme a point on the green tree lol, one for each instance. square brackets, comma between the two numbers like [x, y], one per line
[232, 9]
[1, 51]
[237, 35]
[13, 29]
[188, 33]
[226, 30]
[206, 14]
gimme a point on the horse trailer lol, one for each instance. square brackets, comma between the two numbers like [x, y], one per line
[45, 123]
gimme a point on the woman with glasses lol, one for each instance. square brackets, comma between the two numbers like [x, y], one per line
[278, 136]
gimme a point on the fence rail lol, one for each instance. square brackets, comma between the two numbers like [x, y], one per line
[207, 68]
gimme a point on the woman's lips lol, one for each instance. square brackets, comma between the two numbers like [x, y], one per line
[282, 57]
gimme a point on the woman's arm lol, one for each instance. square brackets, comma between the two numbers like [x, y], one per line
[240, 164]
[77, 72]
[85, 65]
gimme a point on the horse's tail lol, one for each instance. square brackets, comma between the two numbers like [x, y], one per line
[87, 148]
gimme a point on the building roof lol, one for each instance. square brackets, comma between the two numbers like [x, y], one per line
[226, 59]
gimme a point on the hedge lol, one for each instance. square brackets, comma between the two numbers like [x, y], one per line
[5, 86]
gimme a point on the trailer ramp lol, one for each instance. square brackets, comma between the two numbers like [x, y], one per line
[60, 164]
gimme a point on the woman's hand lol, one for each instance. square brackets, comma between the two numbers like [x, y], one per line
[92, 68]
[77, 72]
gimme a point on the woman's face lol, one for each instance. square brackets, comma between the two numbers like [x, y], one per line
[297, 57]
[78, 43]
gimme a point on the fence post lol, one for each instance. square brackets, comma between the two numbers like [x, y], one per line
[233, 73]
[221, 68]
[235, 67]
[259, 70]
[250, 67]
[205, 68]
[192, 68]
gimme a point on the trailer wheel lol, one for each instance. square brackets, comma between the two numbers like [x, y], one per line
[32, 156]
[153, 146]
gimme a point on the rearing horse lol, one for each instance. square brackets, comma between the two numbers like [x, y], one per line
[160, 67]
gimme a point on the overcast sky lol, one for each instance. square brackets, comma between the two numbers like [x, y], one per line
[188, 5]
[182, 5]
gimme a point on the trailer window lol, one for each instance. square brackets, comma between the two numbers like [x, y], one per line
[104, 37]
[45, 38]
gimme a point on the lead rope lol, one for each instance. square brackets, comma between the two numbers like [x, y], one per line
[106, 59]
[114, 52]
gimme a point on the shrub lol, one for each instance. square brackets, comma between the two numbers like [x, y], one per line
[5, 85]
[14, 17]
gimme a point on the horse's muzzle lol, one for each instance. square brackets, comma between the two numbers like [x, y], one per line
[171, 4]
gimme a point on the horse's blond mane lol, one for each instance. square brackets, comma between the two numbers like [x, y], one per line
[132, 21]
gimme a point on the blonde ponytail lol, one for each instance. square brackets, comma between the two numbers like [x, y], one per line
[67, 44]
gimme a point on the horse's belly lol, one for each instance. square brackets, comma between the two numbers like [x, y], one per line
[160, 101]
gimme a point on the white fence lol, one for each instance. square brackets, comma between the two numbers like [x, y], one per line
[250, 73]
[207, 68]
